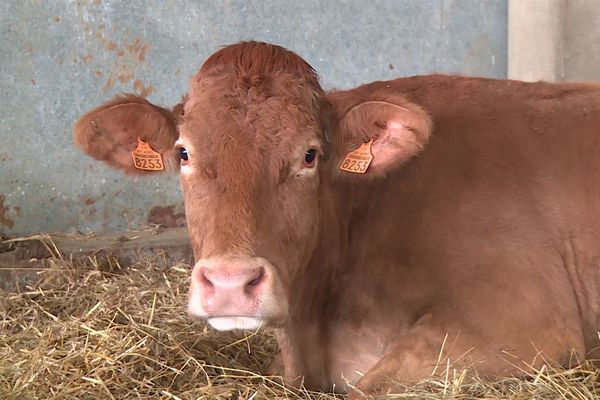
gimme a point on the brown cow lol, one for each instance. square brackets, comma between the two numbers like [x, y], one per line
[473, 236]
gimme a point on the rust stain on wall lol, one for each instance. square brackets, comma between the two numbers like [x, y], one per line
[125, 76]
[127, 56]
[4, 219]
[110, 82]
[166, 217]
[142, 90]
[126, 52]
[110, 46]
[138, 49]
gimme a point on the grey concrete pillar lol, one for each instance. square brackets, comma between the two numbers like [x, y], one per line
[536, 39]
[582, 41]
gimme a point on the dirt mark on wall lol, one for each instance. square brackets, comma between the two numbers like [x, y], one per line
[166, 217]
[4, 219]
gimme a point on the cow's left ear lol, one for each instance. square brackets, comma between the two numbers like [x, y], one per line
[380, 136]
[131, 134]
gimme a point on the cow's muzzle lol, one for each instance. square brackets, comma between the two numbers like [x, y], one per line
[233, 292]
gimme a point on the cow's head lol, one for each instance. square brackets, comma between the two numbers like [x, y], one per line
[256, 142]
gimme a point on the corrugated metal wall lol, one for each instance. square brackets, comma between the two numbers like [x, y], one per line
[62, 58]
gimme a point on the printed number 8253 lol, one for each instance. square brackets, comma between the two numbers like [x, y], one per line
[146, 163]
[354, 165]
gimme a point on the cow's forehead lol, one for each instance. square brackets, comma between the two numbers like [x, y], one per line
[235, 121]
[261, 105]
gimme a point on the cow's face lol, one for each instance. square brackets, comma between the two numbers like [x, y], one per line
[251, 152]
[250, 141]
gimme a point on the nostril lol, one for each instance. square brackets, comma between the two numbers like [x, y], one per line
[253, 284]
[256, 281]
[204, 280]
[230, 281]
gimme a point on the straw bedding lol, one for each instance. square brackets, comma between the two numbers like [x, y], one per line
[96, 329]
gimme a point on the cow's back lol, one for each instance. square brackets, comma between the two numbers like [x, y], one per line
[506, 139]
[536, 140]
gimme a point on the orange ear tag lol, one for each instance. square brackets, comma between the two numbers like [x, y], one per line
[145, 158]
[358, 161]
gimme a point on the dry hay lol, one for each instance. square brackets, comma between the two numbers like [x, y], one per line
[97, 330]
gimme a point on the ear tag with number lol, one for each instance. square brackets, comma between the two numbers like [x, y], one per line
[145, 158]
[358, 161]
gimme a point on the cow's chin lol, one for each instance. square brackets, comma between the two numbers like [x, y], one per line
[232, 323]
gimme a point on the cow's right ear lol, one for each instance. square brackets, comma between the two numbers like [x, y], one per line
[375, 137]
[111, 132]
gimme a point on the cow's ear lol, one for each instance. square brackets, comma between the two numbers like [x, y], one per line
[390, 134]
[113, 131]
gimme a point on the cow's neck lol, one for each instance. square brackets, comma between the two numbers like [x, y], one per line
[304, 341]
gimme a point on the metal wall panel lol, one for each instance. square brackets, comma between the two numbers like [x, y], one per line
[62, 58]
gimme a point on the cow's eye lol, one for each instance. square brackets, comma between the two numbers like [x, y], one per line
[183, 153]
[310, 156]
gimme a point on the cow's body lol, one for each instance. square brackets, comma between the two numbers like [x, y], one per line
[491, 235]
[482, 249]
